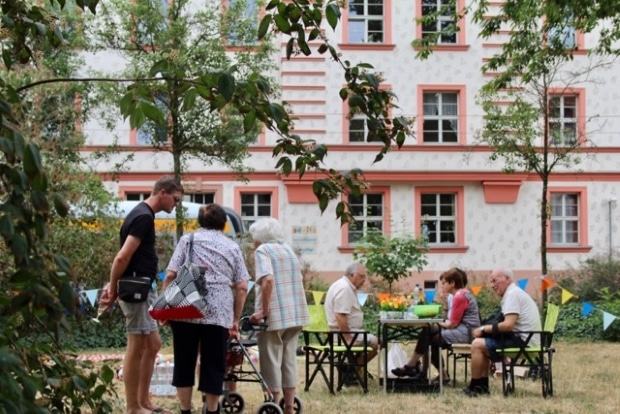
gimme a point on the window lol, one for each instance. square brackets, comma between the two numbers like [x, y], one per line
[358, 130]
[148, 30]
[199, 198]
[243, 18]
[565, 217]
[563, 120]
[365, 23]
[565, 35]
[368, 211]
[441, 20]
[150, 133]
[255, 206]
[136, 196]
[439, 217]
[440, 117]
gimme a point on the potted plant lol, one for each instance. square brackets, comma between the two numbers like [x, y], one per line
[389, 257]
[393, 307]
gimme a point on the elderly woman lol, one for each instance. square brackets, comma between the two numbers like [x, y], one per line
[464, 317]
[227, 282]
[281, 301]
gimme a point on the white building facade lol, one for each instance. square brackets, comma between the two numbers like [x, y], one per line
[478, 216]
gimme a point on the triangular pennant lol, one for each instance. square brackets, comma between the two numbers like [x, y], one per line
[429, 296]
[586, 308]
[566, 295]
[162, 275]
[522, 283]
[608, 318]
[250, 285]
[546, 283]
[318, 296]
[91, 294]
[361, 298]
[476, 289]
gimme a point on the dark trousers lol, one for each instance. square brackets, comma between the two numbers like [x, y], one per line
[187, 339]
[431, 337]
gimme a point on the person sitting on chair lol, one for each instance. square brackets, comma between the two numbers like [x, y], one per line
[343, 309]
[520, 314]
[464, 317]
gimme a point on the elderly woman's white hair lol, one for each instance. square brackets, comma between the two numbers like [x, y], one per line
[267, 230]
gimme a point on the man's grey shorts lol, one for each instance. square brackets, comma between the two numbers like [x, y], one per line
[137, 318]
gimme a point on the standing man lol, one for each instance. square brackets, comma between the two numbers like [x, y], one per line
[343, 309]
[137, 256]
[520, 314]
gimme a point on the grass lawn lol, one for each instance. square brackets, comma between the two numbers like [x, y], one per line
[585, 378]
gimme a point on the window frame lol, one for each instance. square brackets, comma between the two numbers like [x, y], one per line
[461, 41]
[348, 247]
[234, 46]
[387, 44]
[272, 191]
[580, 113]
[346, 121]
[582, 204]
[460, 90]
[459, 245]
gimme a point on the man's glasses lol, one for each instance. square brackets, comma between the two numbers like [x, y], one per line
[176, 199]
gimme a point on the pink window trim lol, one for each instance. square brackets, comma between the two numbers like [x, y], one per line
[387, 31]
[460, 215]
[460, 36]
[580, 93]
[344, 230]
[461, 90]
[583, 220]
[274, 191]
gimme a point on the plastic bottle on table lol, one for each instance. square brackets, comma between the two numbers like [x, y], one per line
[416, 294]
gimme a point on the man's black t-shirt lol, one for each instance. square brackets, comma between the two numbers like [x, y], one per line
[140, 223]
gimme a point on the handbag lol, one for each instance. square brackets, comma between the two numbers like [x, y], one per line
[185, 296]
[133, 288]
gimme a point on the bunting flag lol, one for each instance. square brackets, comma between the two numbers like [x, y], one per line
[318, 296]
[608, 318]
[429, 296]
[476, 289]
[91, 294]
[162, 275]
[250, 285]
[546, 283]
[566, 295]
[522, 283]
[586, 309]
[361, 298]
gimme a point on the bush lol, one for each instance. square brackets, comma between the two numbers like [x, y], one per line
[593, 274]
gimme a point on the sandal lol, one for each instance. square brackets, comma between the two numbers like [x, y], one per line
[445, 381]
[407, 371]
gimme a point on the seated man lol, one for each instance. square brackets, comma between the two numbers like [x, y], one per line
[520, 314]
[343, 309]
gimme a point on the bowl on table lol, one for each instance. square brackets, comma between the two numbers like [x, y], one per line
[427, 311]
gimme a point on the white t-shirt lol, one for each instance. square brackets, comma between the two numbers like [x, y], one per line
[342, 298]
[516, 300]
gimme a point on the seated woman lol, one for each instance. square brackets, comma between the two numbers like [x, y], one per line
[464, 317]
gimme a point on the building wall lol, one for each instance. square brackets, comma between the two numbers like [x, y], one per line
[500, 213]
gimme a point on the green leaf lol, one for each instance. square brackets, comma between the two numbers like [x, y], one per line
[272, 4]
[323, 202]
[32, 160]
[39, 182]
[60, 205]
[67, 296]
[282, 24]
[7, 229]
[264, 25]
[19, 247]
[39, 202]
[249, 122]
[226, 86]
[332, 14]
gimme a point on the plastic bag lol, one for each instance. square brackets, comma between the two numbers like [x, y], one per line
[396, 357]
